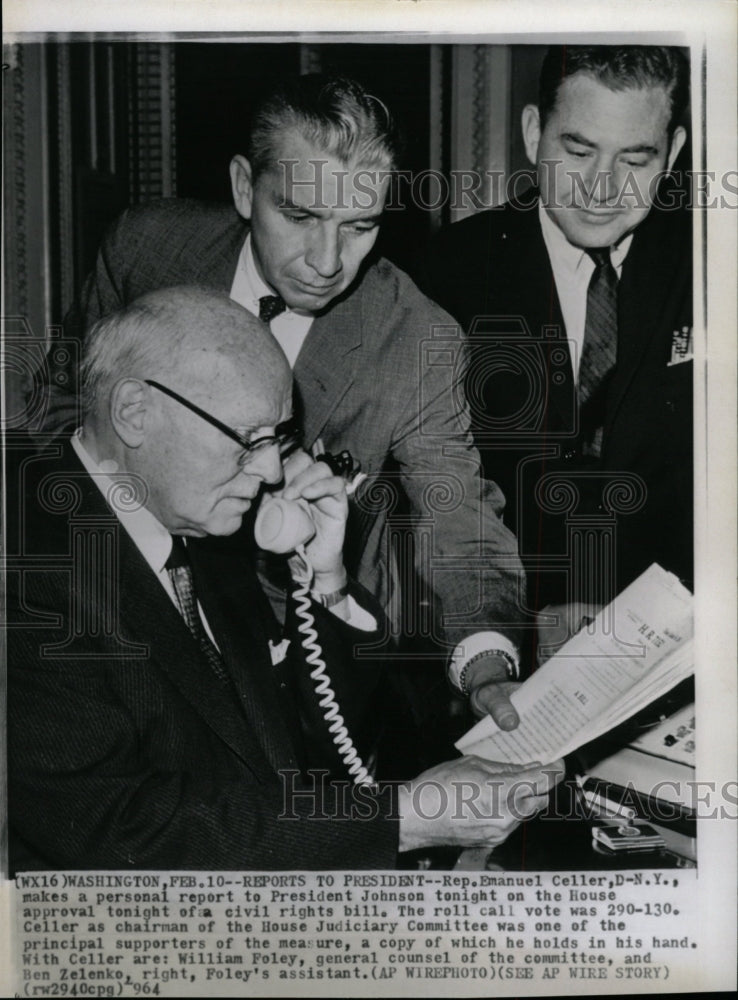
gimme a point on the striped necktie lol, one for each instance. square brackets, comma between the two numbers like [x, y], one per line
[599, 350]
[180, 573]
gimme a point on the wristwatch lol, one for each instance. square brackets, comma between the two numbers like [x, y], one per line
[331, 599]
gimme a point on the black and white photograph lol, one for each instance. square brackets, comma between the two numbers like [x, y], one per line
[369, 504]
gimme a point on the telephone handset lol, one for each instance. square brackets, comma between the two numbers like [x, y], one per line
[283, 526]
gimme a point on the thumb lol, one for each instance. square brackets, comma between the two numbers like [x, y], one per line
[491, 699]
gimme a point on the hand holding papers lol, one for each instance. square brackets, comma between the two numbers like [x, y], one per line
[637, 648]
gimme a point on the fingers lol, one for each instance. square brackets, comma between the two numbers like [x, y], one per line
[313, 482]
[295, 463]
[495, 767]
[532, 778]
[527, 806]
[471, 801]
[493, 699]
[487, 682]
[557, 623]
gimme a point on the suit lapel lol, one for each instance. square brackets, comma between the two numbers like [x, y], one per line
[229, 595]
[526, 282]
[148, 613]
[219, 259]
[325, 367]
[646, 283]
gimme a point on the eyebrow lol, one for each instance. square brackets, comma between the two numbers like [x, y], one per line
[288, 423]
[291, 206]
[581, 141]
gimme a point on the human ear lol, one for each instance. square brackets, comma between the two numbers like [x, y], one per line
[677, 141]
[242, 185]
[531, 123]
[128, 407]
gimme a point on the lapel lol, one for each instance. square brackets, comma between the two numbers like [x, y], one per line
[326, 365]
[146, 611]
[525, 283]
[218, 258]
[228, 596]
[646, 301]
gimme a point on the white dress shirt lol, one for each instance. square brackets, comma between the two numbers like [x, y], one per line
[289, 328]
[572, 269]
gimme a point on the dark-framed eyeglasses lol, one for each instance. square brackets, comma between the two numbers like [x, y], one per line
[286, 435]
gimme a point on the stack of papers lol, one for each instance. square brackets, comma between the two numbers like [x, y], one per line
[638, 648]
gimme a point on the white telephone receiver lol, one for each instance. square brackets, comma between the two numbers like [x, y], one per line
[282, 525]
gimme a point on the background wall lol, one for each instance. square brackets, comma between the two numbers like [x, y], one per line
[92, 125]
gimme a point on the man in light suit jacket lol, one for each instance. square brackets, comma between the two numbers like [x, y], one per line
[158, 717]
[378, 367]
[615, 470]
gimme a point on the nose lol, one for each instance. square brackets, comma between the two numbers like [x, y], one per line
[266, 464]
[603, 182]
[323, 254]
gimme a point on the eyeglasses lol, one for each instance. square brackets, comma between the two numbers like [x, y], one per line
[286, 435]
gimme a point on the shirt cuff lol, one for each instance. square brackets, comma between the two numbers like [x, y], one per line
[477, 645]
[351, 611]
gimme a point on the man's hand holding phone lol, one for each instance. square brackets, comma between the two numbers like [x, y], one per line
[311, 509]
[315, 487]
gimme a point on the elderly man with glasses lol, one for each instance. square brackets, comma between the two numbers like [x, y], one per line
[158, 716]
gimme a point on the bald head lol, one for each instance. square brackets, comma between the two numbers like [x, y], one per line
[188, 335]
[175, 387]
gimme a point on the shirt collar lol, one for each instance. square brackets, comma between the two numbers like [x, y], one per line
[256, 287]
[148, 534]
[255, 284]
[570, 257]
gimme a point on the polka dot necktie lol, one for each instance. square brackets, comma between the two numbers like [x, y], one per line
[271, 306]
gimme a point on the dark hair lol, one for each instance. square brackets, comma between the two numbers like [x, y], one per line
[618, 67]
[334, 113]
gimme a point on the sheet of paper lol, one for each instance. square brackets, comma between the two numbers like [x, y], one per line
[637, 648]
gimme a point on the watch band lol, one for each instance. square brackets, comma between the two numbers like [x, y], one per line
[511, 665]
[331, 599]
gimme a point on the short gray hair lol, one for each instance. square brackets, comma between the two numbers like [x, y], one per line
[334, 113]
[154, 335]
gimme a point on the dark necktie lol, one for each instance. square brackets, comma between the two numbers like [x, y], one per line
[180, 573]
[271, 306]
[599, 350]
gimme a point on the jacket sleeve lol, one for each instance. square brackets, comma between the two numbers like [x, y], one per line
[464, 553]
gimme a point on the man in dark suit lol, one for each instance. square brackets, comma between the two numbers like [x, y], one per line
[158, 717]
[378, 367]
[577, 297]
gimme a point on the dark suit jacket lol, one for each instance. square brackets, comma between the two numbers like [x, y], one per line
[492, 272]
[124, 749]
[380, 374]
